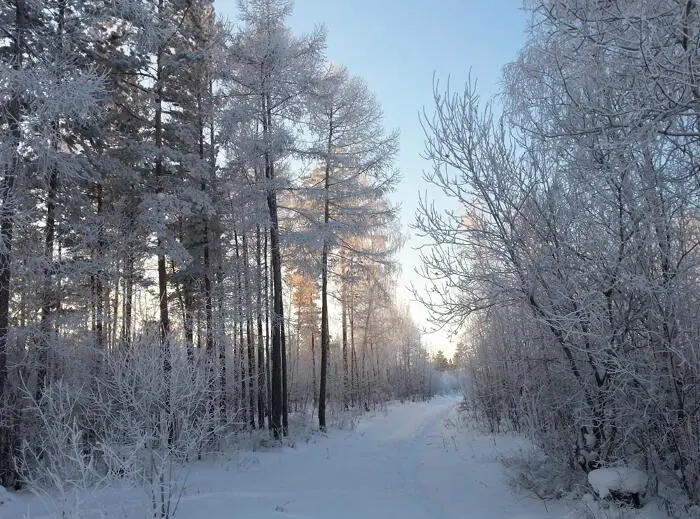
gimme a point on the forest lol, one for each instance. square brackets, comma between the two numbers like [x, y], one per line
[196, 237]
[199, 249]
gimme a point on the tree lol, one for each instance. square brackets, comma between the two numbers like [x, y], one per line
[355, 159]
[577, 211]
[272, 70]
[441, 362]
[41, 101]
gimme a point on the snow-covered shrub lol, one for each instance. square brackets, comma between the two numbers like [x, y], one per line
[536, 473]
[344, 419]
[153, 419]
[56, 460]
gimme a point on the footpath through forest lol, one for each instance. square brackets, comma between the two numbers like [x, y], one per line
[414, 461]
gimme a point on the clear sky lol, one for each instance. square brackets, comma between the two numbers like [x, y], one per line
[397, 46]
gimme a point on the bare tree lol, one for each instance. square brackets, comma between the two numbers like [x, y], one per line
[579, 208]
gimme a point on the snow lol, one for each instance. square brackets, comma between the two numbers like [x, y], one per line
[5, 497]
[417, 460]
[620, 479]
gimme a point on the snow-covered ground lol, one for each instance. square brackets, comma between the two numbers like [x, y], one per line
[412, 462]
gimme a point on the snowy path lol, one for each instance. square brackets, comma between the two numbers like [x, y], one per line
[410, 463]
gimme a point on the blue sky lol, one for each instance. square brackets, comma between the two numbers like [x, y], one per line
[397, 46]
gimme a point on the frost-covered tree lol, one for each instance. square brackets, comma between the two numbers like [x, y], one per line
[271, 71]
[49, 93]
[350, 185]
[579, 207]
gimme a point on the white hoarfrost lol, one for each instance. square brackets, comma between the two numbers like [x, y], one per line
[416, 461]
[617, 479]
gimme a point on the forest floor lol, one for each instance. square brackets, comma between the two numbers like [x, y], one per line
[416, 460]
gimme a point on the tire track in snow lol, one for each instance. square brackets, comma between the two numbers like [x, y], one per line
[411, 462]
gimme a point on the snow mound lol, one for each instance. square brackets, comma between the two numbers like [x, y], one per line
[617, 479]
[4, 495]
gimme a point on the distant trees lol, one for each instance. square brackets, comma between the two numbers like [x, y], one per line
[156, 196]
[441, 362]
[574, 254]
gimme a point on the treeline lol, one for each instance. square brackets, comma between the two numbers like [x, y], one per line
[574, 261]
[184, 205]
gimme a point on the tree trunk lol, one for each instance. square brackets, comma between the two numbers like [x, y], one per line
[277, 360]
[159, 172]
[277, 321]
[261, 346]
[344, 319]
[268, 370]
[114, 307]
[99, 273]
[325, 335]
[8, 443]
[313, 368]
[47, 302]
[206, 189]
[128, 298]
[285, 391]
[48, 295]
[221, 345]
[240, 358]
[188, 311]
[354, 373]
[324, 341]
[249, 333]
[162, 272]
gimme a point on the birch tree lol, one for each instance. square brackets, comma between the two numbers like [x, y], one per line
[579, 208]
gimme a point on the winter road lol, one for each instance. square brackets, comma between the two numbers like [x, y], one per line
[413, 462]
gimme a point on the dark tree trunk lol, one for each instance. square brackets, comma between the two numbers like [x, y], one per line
[240, 358]
[250, 345]
[344, 318]
[261, 346]
[313, 368]
[159, 173]
[277, 360]
[268, 370]
[8, 442]
[285, 392]
[276, 365]
[128, 298]
[188, 311]
[324, 342]
[98, 258]
[48, 295]
[162, 272]
[325, 335]
[221, 347]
